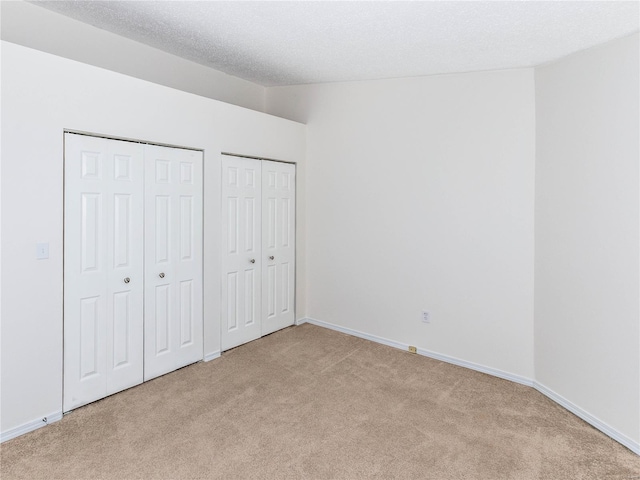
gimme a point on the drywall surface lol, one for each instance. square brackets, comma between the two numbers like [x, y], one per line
[587, 319]
[86, 98]
[420, 197]
[42, 29]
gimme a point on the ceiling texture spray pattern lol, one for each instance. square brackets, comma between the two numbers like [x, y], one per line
[289, 43]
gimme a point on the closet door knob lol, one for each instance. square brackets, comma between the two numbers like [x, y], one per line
[253, 260]
[161, 274]
[127, 279]
[271, 257]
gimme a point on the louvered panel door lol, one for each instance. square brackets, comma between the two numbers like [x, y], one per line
[173, 262]
[278, 245]
[241, 251]
[103, 268]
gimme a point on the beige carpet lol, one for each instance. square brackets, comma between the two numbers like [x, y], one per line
[310, 403]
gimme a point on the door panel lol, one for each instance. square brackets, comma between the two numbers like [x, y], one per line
[187, 322]
[241, 251]
[121, 328]
[125, 220]
[173, 267]
[278, 254]
[161, 319]
[102, 230]
[91, 231]
[91, 333]
[250, 294]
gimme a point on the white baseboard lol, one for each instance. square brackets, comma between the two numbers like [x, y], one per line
[512, 377]
[590, 419]
[350, 331]
[211, 356]
[584, 415]
[300, 321]
[426, 353]
[30, 426]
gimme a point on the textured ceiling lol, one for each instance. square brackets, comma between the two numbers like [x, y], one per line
[287, 43]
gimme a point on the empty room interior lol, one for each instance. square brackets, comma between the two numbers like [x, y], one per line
[320, 239]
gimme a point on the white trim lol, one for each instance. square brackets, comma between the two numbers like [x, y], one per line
[357, 333]
[302, 320]
[494, 372]
[30, 426]
[579, 412]
[211, 356]
[590, 419]
[132, 140]
[427, 353]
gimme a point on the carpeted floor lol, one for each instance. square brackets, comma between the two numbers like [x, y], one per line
[311, 403]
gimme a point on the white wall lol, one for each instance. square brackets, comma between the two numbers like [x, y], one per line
[587, 321]
[420, 196]
[44, 94]
[42, 29]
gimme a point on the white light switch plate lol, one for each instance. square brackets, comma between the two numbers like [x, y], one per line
[42, 251]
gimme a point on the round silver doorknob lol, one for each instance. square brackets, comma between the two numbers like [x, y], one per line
[271, 257]
[253, 260]
[161, 275]
[127, 279]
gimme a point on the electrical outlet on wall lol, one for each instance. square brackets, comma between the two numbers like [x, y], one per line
[426, 317]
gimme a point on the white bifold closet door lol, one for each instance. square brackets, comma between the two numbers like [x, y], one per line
[173, 261]
[278, 245]
[241, 260]
[103, 268]
[132, 264]
[258, 241]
